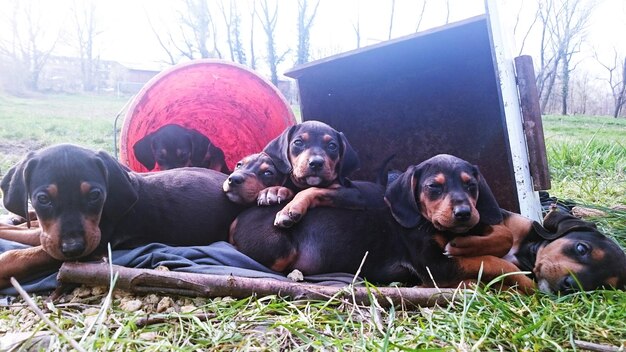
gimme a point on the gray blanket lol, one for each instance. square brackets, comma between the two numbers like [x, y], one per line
[219, 258]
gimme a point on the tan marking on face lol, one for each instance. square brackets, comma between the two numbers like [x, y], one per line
[465, 177]
[264, 167]
[53, 190]
[552, 264]
[51, 238]
[163, 153]
[327, 138]
[440, 211]
[92, 233]
[598, 254]
[300, 166]
[85, 187]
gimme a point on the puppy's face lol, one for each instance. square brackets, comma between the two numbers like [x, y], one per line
[447, 194]
[170, 150]
[584, 260]
[68, 194]
[251, 175]
[314, 154]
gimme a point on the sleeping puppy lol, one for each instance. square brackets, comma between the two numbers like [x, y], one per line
[566, 254]
[251, 179]
[173, 146]
[85, 199]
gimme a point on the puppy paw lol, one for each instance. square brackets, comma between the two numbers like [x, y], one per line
[460, 247]
[274, 195]
[287, 218]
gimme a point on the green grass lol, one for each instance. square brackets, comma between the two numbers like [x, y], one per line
[30, 123]
[587, 161]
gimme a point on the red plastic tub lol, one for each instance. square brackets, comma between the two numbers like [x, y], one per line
[238, 110]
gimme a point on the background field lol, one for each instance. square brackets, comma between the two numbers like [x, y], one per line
[587, 157]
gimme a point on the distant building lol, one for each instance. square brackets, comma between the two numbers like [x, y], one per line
[63, 74]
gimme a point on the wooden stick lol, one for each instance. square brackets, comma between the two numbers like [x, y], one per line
[591, 346]
[143, 281]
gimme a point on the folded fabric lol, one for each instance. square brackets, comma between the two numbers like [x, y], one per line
[219, 258]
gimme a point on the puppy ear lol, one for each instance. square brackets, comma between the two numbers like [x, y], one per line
[278, 150]
[121, 195]
[199, 147]
[144, 153]
[349, 159]
[562, 223]
[486, 204]
[400, 196]
[14, 186]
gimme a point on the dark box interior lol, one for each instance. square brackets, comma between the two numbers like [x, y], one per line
[417, 96]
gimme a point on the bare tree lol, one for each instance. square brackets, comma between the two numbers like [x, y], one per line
[616, 80]
[393, 11]
[240, 53]
[30, 42]
[570, 34]
[253, 17]
[357, 26]
[269, 19]
[228, 21]
[195, 35]
[563, 29]
[529, 29]
[421, 16]
[86, 33]
[305, 22]
[447, 11]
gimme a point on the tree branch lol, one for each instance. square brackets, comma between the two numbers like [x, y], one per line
[143, 281]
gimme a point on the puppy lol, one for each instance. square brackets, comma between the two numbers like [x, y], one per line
[566, 254]
[173, 146]
[84, 200]
[311, 154]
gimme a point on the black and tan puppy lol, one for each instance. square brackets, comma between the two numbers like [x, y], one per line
[252, 178]
[311, 154]
[85, 199]
[566, 254]
[173, 146]
[430, 205]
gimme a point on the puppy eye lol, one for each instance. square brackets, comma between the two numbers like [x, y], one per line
[94, 195]
[582, 248]
[239, 164]
[332, 146]
[43, 199]
[268, 173]
[298, 143]
[435, 188]
[471, 187]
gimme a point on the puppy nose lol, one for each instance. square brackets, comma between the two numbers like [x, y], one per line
[235, 179]
[316, 162]
[73, 247]
[568, 284]
[462, 212]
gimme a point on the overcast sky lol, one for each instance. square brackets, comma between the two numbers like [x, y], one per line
[126, 35]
